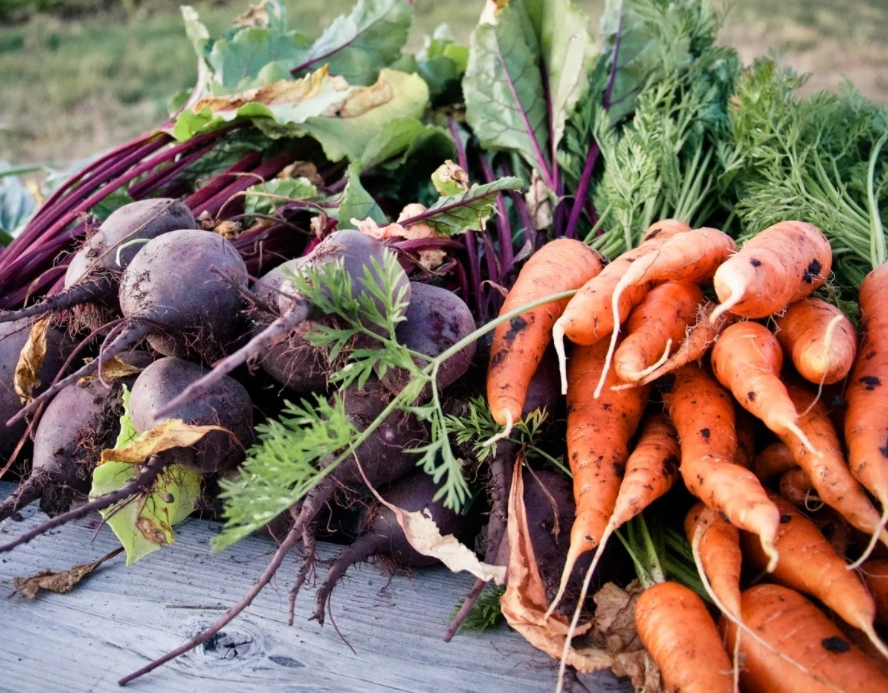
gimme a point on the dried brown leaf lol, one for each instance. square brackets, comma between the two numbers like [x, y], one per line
[172, 433]
[61, 582]
[27, 370]
[524, 602]
[539, 202]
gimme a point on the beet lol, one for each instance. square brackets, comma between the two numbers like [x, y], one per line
[383, 536]
[356, 251]
[81, 421]
[435, 320]
[13, 337]
[227, 404]
[171, 295]
[92, 274]
[293, 362]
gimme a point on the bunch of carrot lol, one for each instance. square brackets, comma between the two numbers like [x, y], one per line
[663, 383]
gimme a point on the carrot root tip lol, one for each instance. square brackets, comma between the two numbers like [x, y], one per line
[507, 430]
[558, 341]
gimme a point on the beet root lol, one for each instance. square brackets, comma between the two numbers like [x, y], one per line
[13, 337]
[228, 405]
[435, 320]
[91, 277]
[293, 362]
[172, 295]
[78, 423]
[383, 535]
[358, 254]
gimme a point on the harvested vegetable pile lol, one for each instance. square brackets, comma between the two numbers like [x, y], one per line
[666, 265]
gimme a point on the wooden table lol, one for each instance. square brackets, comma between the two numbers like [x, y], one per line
[120, 618]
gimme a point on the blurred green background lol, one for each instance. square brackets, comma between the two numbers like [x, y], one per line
[79, 76]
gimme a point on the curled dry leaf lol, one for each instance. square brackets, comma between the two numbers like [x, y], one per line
[524, 602]
[113, 369]
[430, 258]
[172, 433]
[539, 202]
[60, 582]
[27, 371]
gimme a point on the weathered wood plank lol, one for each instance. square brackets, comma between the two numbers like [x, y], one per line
[120, 618]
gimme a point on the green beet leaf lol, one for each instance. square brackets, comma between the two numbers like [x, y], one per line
[265, 198]
[143, 524]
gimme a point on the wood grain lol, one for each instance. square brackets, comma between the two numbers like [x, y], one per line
[120, 618]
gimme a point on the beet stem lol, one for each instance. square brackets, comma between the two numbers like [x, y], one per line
[276, 560]
[87, 292]
[147, 474]
[255, 347]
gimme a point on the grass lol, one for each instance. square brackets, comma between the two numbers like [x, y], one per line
[71, 89]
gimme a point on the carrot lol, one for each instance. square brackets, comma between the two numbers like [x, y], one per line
[519, 344]
[747, 437]
[697, 341]
[771, 461]
[809, 564]
[598, 436]
[703, 414]
[657, 322]
[588, 315]
[809, 655]
[747, 359]
[676, 628]
[875, 575]
[718, 542]
[834, 527]
[827, 469]
[818, 338]
[651, 470]
[866, 418]
[692, 256]
[782, 264]
[795, 486]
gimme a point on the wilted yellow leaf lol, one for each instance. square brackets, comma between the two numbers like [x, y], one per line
[172, 433]
[27, 371]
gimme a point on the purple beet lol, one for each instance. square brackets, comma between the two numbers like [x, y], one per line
[94, 270]
[13, 336]
[172, 295]
[357, 252]
[81, 420]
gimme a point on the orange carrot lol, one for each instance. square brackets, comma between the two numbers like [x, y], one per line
[598, 436]
[866, 419]
[676, 628]
[518, 345]
[795, 486]
[697, 341]
[703, 414]
[658, 322]
[782, 264]
[827, 469]
[809, 564]
[588, 315]
[771, 461]
[686, 257]
[718, 543]
[651, 470]
[747, 359]
[816, 657]
[875, 575]
[819, 338]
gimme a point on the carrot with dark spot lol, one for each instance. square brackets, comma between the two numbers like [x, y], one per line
[866, 418]
[805, 651]
[696, 403]
[518, 345]
[782, 264]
